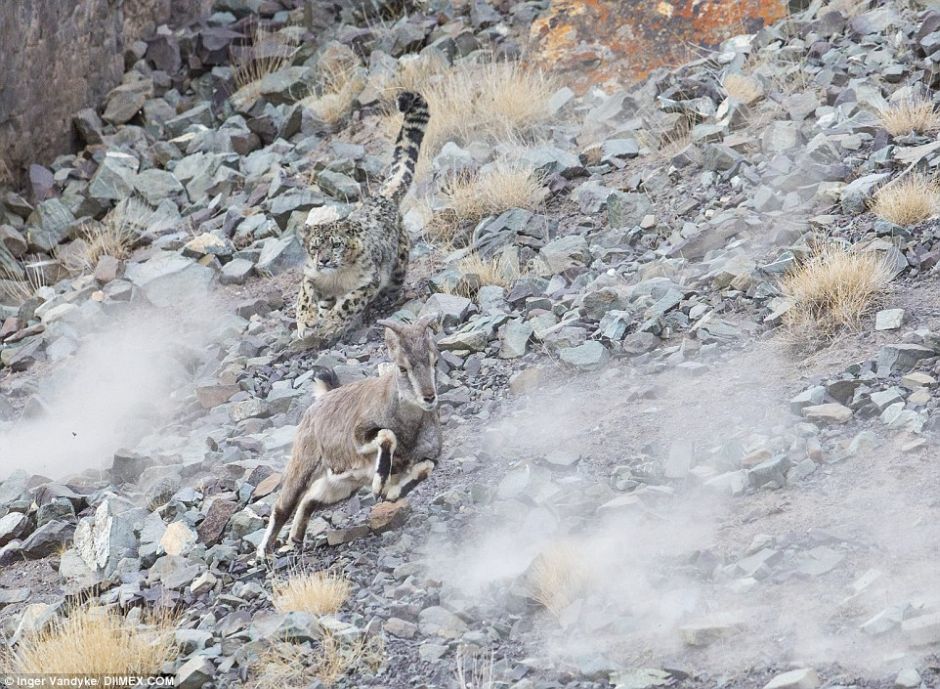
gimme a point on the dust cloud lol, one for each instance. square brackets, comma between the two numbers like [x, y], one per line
[665, 580]
[124, 381]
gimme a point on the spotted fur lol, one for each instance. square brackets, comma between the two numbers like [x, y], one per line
[355, 261]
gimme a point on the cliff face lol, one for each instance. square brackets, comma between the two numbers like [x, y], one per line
[59, 57]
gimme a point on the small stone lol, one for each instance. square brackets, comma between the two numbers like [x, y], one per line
[514, 339]
[900, 358]
[648, 221]
[641, 678]
[248, 409]
[831, 412]
[451, 309]
[267, 485]
[923, 630]
[708, 631]
[210, 530]
[341, 536]
[338, 185]
[438, 621]
[588, 357]
[13, 525]
[889, 319]
[208, 244]
[108, 269]
[909, 678]
[236, 271]
[203, 583]
[400, 628]
[805, 678]
[126, 100]
[178, 539]
[16, 595]
[917, 379]
[386, 516]
[195, 673]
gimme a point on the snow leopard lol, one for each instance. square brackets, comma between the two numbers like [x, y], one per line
[355, 261]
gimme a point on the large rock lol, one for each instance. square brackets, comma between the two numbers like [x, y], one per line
[103, 539]
[114, 179]
[166, 277]
[438, 621]
[13, 525]
[126, 100]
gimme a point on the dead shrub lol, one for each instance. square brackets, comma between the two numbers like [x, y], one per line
[558, 577]
[318, 593]
[907, 201]
[831, 291]
[266, 53]
[490, 101]
[95, 641]
[294, 666]
[913, 115]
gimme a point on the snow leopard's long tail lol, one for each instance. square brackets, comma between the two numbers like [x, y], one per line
[407, 146]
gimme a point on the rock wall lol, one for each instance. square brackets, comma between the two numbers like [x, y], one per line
[59, 56]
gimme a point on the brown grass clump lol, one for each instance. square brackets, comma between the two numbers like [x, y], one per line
[501, 270]
[558, 576]
[504, 185]
[6, 176]
[907, 201]
[95, 641]
[742, 88]
[914, 115]
[289, 666]
[831, 291]
[318, 593]
[266, 53]
[495, 101]
[114, 236]
[23, 283]
[340, 84]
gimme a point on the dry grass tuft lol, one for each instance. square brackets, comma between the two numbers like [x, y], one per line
[289, 666]
[501, 270]
[318, 593]
[742, 88]
[266, 53]
[907, 201]
[21, 284]
[115, 236]
[495, 101]
[831, 291]
[558, 576]
[6, 175]
[914, 115]
[473, 670]
[502, 186]
[95, 641]
[339, 85]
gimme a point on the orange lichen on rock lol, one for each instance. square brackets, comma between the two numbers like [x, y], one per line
[598, 41]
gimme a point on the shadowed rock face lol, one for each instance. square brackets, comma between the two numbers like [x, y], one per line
[622, 41]
[60, 57]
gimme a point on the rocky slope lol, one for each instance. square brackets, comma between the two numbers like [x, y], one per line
[626, 425]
